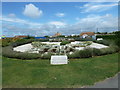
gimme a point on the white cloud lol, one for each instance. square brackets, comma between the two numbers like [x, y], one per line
[104, 23]
[90, 23]
[32, 11]
[19, 21]
[96, 7]
[60, 14]
[57, 23]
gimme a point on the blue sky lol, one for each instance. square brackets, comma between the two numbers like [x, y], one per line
[47, 18]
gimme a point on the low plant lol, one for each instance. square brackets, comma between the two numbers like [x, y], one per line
[46, 56]
[21, 42]
[96, 52]
[86, 53]
[64, 42]
[109, 50]
[6, 42]
[74, 55]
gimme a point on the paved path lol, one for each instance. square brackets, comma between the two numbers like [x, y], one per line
[108, 83]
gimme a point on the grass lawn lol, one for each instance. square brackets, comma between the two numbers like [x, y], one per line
[40, 74]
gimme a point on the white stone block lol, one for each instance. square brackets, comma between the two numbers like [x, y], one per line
[59, 59]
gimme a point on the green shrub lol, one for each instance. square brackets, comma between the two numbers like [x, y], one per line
[6, 42]
[104, 42]
[21, 42]
[96, 52]
[106, 36]
[86, 53]
[29, 37]
[64, 42]
[46, 56]
[111, 49]
[74, 55]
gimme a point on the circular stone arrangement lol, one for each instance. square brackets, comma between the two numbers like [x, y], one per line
[56, 48]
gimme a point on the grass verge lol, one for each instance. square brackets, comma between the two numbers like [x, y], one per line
[40, 74]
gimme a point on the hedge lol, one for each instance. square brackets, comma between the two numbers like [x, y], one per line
[21, 42]
[8, 52]
[90, 52]
[86, 53]
[104, 42]
[64, 42]
[106, 36]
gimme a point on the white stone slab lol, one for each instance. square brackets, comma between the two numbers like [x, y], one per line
[98, 46]
[59, 59]
[49, 43]
[99, 39]
[23, 48]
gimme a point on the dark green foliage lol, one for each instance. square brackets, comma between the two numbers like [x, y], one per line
[96, 52]
[117, 41]
[115, 36]
[29, 37]
[46, 56]
[106, 36]
[110, 50]
[105, 42]
[61, 36]
[6, 42]
[21, 42]
[64, 42]
[74, 55]
[46, 36]
[86, 53]
[83, 39]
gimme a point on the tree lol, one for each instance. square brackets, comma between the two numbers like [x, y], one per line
[29, 37]
[117, 33]
[46, 36]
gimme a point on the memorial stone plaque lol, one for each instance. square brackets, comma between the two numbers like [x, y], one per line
[59, 59]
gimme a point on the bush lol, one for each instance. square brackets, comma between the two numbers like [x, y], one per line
[86, 53]
[64, 42]
[29, 37]
[117, 40]
[74, 55]
[110, 50]
[6, 42]
[21, 42]
[105, 42]
[96, 52]
[106, 36]
[46, 56]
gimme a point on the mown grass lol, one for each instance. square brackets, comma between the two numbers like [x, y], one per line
[40, 74]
